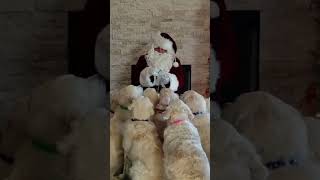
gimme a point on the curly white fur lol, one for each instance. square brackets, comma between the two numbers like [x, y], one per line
[274, 127]
[87, 143]
[152, 94]
[124, 98]
[278, 132]
[234, 157]
[197, 104]
[142, 108]
[141, 143]
[50, 108]
[165, 97]
[184, 157]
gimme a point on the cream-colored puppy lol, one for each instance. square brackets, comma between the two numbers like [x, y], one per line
[201, 120]
[141, 144]
[165, 97]
[124, 98]
[184, 157]
[152, 94]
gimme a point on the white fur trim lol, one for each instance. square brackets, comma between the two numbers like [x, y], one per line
[145, 75]
[175, 64]
[174, 83]
[159, 41]
[162, 61]
[214, 10]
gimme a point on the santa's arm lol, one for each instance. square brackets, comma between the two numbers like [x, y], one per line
[178, 71]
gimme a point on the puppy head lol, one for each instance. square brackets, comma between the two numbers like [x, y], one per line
[141, 108]
[152, 94]
[127, 94]
[166, 96]
[195, 101]
[177, 109]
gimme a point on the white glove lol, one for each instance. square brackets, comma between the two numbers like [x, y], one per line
[149, 77]
[164, 78]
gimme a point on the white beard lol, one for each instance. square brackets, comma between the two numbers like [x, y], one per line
[161, 61]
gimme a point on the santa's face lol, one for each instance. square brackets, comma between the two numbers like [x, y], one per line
[159, 58]
[160, 50]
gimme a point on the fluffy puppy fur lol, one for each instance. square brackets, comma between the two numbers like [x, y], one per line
[49, 110]
[278, 132]
[234, 157]
[127, 94]
[141, 143]
[184, 157]
[165, 97]
[152, 94]
[87, 143]
[122, 113]
[201, 120]
[56, 104]
[32, 163]
[275, 128]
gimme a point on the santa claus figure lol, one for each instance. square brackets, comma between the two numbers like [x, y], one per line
[160, 67]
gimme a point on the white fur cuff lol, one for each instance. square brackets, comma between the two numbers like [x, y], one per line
[174, 83]
[145, 75]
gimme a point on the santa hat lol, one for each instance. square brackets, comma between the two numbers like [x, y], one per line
[214, 10]
[164, 41]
